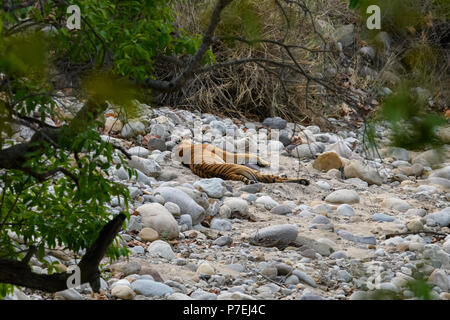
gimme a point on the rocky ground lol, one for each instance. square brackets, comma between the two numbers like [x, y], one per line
[207, 239]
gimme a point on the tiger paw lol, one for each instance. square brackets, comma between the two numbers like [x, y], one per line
[263, 163]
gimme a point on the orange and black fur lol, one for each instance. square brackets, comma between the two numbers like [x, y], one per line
[208, 161]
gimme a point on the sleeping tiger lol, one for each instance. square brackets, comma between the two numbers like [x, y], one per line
[208, 161]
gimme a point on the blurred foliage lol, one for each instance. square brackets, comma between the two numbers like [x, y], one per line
[114, 50]
[241, 18]
[413, 120]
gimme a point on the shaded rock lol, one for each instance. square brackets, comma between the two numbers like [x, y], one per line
[278, 235]
[345, 35]
[322, 248]
[156, 144]
[275, 123]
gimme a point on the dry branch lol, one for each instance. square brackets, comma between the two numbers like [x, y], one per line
[19, 272]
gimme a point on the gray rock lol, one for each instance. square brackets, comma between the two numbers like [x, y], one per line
[441, 173]
[223, 241]
[267, 202]
[132, 129]
[187, 220]
[275, 123]
[134, 224]
[322, 248]
[187, 204]
[398, 153]
[147, 166]
[283, 269]
[322, 208]
[281, 210]
[323, 185]
[338, 255]
[303, 277]
[343, 196]
[355, 238]
[311, 296]
[161, 249]
[344, 276]
[345, 35]
[252, 188]
[381, 217]
[156, 144]
[442, 218]
[220, 224]
[292, 279]
[138, 151]
[151, 288]
[277, 235]
[341, 149]
[355, 169]
[345, 210]
[397, 204]
[218, 126]
[132, 267]
[237, 205]
[306, 151]
[122, 174]
[368, 52]
[439, 278]
[157, 217]
[234, 296]
[319, 219]
[200, 294]
[445, 183]
[214, 187]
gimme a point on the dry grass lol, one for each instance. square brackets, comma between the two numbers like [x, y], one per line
[259, 90]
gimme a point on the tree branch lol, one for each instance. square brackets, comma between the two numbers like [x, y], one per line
[196, 60]
[20, 274]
